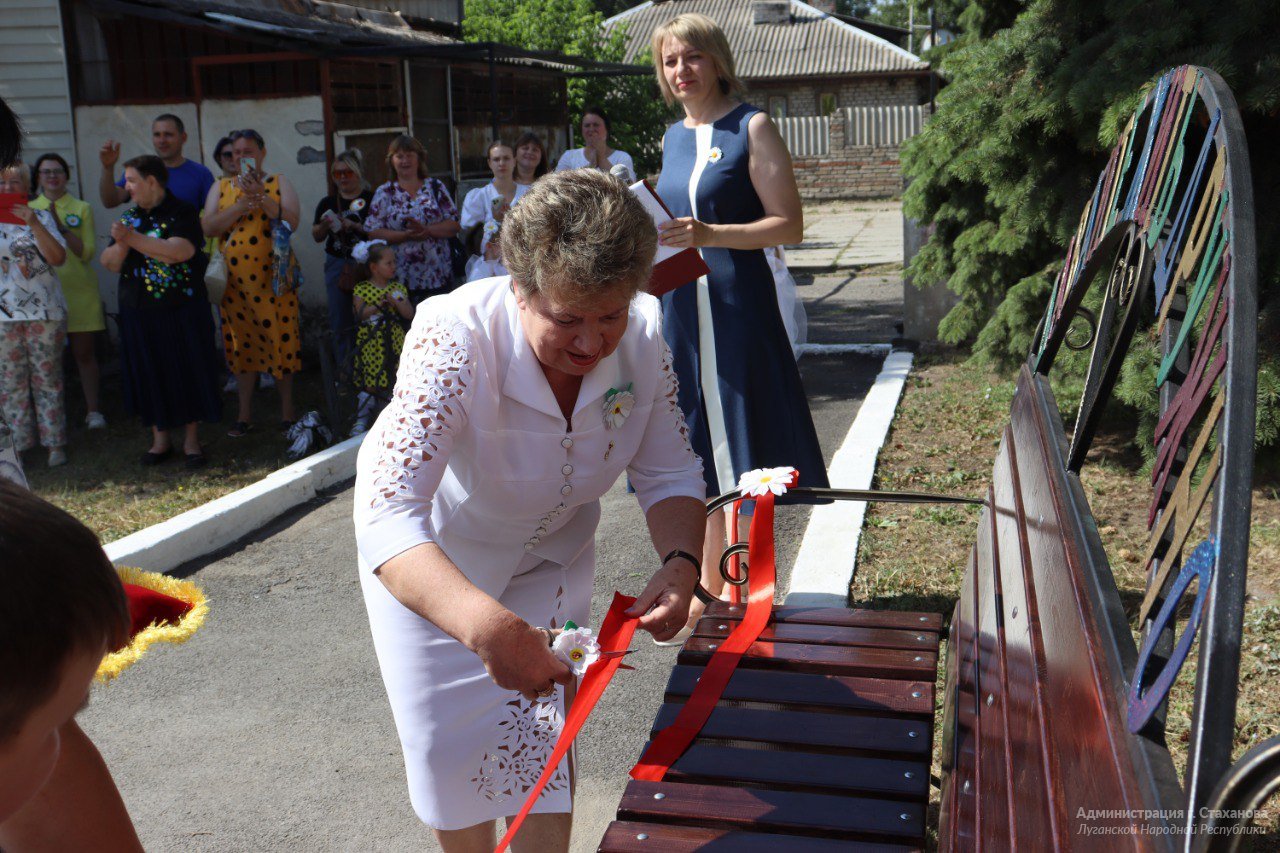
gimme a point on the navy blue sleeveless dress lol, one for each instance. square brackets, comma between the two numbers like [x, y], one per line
[740, 389]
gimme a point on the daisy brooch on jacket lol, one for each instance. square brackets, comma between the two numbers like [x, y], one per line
[714, 155]
[618, 403]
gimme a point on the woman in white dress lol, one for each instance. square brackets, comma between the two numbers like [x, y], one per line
[595, 152]
[520, 402]
[485, 207]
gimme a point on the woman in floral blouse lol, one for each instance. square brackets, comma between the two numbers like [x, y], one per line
[415, 214]
[33, 323]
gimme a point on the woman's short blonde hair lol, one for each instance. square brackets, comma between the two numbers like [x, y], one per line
[353, 159]
[578, 237]
[22, 170]
[704, 35]
[405, 142]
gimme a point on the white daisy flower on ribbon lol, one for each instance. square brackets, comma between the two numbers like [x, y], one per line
[618, 403]
[714, 155]
[577, 648]
[762, 481]
[491, 227]
[72, 220]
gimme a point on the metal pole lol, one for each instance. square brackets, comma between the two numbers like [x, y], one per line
[493, 92]
[933, 43]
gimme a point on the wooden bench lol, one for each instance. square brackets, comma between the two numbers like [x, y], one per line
[828, 720]
[1053, 716]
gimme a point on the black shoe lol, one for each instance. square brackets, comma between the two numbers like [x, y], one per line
[150, 458]
[240, 429]
[196, 460]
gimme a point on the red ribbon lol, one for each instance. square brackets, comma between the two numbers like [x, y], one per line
[670, 743]
[615, 636]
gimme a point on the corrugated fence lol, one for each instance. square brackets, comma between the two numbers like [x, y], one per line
[879, 127]
[882, 127]
[806, 136]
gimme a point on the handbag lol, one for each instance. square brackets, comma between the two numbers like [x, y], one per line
[286, 273]
[215, 276]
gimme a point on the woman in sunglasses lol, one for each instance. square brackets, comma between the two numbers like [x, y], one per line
[339, 222]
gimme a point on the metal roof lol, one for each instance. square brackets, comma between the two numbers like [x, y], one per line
[810, 44]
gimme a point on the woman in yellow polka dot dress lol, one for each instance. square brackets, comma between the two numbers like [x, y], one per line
[260, 328]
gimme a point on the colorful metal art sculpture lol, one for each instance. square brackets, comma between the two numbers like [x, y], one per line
[1169, 230]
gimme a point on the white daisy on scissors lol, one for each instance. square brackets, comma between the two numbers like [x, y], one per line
[578, 648]
[762, 481]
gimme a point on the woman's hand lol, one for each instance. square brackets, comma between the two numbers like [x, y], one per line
[684, 233]
[665, 601]
[26, 213]
[122, 233]
[517, 657]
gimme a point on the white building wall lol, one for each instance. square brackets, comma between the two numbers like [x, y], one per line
[33, 78]
[292, 127]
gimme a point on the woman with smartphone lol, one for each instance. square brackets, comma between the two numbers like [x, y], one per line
[259, 327]
[339, 223]
[486, 207]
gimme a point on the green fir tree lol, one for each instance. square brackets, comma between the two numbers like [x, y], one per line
[1037, 97]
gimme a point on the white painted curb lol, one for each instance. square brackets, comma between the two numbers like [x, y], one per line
[203, 530]
[829, 550]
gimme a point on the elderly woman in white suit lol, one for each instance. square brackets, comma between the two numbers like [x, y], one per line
[520, 401]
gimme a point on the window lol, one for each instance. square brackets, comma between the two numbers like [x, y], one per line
[778, 106]
[826, 103]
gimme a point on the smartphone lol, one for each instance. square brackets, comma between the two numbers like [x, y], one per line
[247, 165]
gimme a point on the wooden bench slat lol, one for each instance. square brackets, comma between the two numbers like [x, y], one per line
[992, 552]
[623, 836]
[840, 617]
[835, 660]
[1089, 744]
[803, 728]
[963, 781]
[824, 635]
[825, 814]
[1023, 707]
[811, 690]
[838, 773]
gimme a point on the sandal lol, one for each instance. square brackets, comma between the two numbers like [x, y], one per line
[240, 429]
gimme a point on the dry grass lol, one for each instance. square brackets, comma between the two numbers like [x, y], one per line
[944, 439]
[105, 487]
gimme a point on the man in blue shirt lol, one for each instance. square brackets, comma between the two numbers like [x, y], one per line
[189, 181]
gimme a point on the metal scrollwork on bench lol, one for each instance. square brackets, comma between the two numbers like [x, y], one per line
[1169, 230]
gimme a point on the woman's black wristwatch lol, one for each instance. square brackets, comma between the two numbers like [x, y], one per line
[698, 589]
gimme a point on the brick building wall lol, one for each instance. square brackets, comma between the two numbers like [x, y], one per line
[803, 96]
[848, 171]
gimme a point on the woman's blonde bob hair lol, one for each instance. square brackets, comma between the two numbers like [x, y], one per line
[578, 237]
[353, 159]
[22, 171]
[405, 142]
[703, 35]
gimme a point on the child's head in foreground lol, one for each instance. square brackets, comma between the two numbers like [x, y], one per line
[61, 609]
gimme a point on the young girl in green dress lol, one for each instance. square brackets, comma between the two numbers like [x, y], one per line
[382, 310]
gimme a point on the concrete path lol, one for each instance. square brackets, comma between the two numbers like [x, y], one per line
[270, 731]
[841, 234]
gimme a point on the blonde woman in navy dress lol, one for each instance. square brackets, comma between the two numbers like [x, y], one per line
[726, 175]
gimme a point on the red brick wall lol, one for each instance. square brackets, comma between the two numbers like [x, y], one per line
[850, 173]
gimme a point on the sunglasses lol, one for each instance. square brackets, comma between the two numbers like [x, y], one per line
[247, 133]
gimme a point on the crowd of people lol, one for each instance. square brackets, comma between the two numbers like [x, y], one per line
[520, 399]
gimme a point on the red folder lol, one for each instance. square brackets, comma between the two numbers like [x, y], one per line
[672, 268]
[7, 201]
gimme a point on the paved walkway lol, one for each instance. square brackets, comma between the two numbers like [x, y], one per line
[841, 234]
